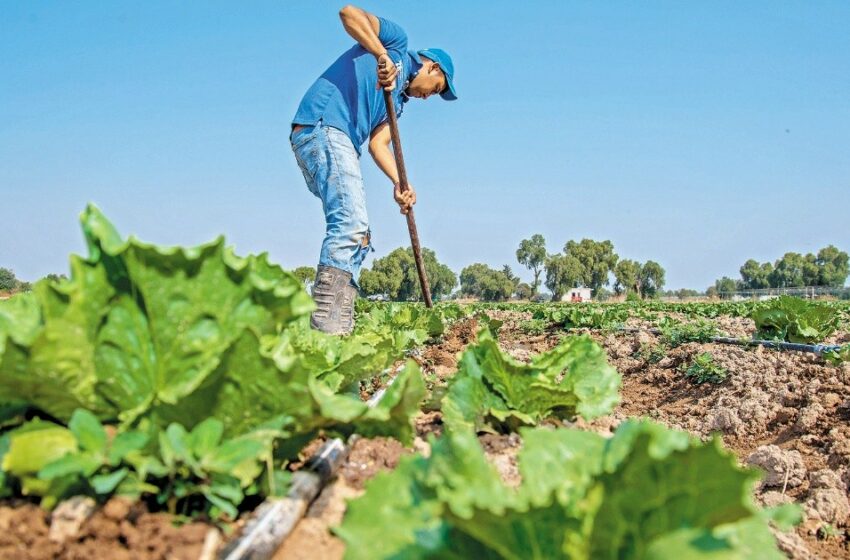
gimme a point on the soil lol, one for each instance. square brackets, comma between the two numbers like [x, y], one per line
[439, 360]
[368, 457]
[785, 413]
[118, 531]
[312, 537]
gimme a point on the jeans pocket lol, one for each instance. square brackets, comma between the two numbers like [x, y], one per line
[302, 136]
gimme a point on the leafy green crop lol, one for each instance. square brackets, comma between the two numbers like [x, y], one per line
[533, 326]
[137, 326]
[407, 316]
[795, 320]
[584, 316]
[494, 391]
[839, 356]
[648, 492]
[201, 463]
[675, 333]
[703, 368]
[173, 466]
[650, 353]
[143, 333]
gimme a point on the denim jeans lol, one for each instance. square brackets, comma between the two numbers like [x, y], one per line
[331, 167]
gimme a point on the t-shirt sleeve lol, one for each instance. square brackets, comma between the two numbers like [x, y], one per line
[392, 36]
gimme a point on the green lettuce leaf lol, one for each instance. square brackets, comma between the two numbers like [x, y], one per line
[34, 445]
[795, 320]
[136, 326]
[648, 492]
[493, 391]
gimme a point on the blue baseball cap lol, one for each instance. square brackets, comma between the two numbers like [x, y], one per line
[442, 58]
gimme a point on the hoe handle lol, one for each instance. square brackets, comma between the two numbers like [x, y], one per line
[403, 187]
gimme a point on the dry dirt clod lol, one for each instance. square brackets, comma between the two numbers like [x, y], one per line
[826, 479]
[643, 338]
[829, 505]
[792, 545]
[368, 457]
[666, 362]
[774, 498]
[783, 469]
[725, 420]
[68, 517]
[118, 508]
[808, 418]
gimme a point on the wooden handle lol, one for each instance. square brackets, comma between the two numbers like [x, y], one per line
[403, 187]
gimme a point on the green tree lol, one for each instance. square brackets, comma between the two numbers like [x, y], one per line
[755, 275]
[509, 274]
[396, 276]
[833, 267]
[8, 281]
[627, 276]
[651, 279]
[597, 259]
[686, 293]
[724, 286]
[603, 294]
[811, 270]
[562, 273]
[523, 291]
[306, 274]
[481, 281]
[788, 271]
[532, 255]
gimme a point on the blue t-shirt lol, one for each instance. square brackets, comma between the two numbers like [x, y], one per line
[346, 97]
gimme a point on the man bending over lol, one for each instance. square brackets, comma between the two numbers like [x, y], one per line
[341, 111]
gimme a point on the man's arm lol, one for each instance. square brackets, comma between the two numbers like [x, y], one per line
[379, 149]
[364, 28]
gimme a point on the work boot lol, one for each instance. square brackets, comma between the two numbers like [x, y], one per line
[334, 296]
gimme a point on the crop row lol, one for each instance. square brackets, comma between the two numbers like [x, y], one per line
[189, 378]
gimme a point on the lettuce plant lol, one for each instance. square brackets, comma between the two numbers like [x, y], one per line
[795, 320]
[492, 391]
[648, 492]
[141, 333]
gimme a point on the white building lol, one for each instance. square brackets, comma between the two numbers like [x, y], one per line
[577, 294]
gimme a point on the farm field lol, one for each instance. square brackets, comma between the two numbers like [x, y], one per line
[784, 412]
[156, 398]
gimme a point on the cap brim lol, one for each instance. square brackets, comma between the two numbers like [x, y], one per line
[449, 93]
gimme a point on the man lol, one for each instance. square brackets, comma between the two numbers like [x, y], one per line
[341, 111]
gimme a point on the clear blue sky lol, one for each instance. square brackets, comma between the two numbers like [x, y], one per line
[694, 134]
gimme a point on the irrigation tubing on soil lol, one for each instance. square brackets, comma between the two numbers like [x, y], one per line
[819, 349]
[275, 518]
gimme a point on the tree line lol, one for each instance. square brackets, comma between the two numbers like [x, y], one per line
[10, 284]
[829, 267]
[586, 263]
[591, 264]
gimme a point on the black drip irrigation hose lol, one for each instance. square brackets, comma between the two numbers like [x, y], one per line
[818, 349]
